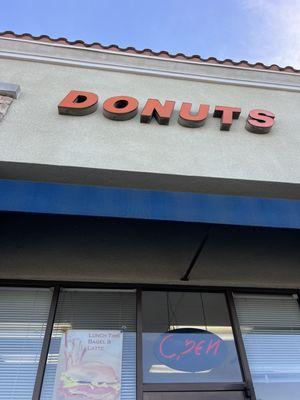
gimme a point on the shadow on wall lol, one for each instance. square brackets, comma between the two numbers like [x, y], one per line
[51, 247]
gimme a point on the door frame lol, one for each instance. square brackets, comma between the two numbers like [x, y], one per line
[245, 386]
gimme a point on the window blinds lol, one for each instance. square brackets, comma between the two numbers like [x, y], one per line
[99, 310]
[23, 318]
[270, 327]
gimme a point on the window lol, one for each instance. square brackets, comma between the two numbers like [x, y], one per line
[187, 338]
[23, 319]
[270, 327]
[93, 346]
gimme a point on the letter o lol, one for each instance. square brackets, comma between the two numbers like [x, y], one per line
[120, 108]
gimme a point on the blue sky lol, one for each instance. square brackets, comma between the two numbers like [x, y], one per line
[255, 30]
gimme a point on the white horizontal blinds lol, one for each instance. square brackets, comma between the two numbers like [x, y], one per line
[129, 366]
[23, 319]
[99, 310]
[265, 311]
[271, 331]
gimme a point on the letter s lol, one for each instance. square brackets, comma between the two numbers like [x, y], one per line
[260, 121]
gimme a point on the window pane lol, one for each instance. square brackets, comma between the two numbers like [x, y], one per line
[270, 327]
[93, 346]
[187, 337]
[23, 319]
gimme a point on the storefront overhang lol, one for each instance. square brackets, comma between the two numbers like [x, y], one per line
[84, 200]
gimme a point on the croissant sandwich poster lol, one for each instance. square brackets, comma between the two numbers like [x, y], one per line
[89, 365]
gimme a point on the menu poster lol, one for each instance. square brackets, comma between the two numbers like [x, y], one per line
[89, 365]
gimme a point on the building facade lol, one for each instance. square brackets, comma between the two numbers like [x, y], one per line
[150, 215]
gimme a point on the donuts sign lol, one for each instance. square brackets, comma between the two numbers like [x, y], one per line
[122, 108]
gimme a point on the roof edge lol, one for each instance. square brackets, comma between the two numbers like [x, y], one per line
[163, 54]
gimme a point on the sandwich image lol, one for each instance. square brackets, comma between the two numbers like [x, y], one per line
[89, 381]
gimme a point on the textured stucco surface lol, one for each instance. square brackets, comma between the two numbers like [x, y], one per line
[35, 133]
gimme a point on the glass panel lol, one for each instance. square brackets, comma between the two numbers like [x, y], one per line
[93, 347]
[270, 327]
[23, 318]
[187, 337]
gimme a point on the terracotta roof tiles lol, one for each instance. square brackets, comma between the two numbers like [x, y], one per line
[149, 52]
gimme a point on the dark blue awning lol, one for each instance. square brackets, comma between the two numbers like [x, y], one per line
[57, 198]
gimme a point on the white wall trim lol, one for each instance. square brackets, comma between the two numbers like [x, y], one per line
[125, 54]
[30, 50]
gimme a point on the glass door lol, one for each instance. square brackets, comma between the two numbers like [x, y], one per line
[188, 339]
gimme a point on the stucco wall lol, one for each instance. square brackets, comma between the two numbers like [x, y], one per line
[34, 133]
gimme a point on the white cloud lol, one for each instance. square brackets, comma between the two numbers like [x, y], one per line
[278, 35]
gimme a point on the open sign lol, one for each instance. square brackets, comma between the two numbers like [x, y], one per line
[190, 350]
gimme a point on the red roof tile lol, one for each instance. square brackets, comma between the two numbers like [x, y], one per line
[149, 52]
